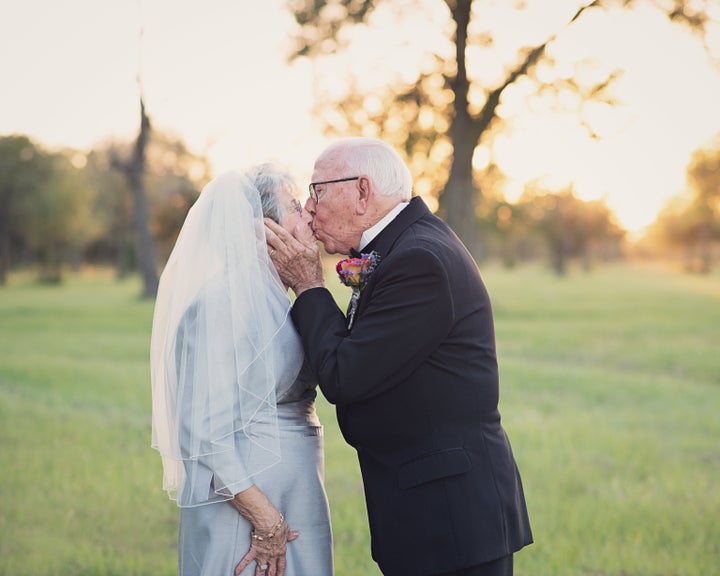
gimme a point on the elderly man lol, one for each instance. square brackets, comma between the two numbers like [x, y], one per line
[412, 370]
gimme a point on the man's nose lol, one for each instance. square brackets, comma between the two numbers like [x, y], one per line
[310, 207]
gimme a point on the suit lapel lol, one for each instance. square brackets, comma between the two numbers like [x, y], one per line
[383, 242]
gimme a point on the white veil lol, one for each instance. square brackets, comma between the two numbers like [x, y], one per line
[217, 349]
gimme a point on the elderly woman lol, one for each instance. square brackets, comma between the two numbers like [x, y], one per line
[233, 406]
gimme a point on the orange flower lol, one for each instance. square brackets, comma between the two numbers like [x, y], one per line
[354, 272]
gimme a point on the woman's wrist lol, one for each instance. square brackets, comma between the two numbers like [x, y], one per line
[257, 509]
[265, 535]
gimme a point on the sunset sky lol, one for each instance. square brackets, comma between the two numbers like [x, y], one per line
[215, 73]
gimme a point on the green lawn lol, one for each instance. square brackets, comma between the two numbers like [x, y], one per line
[610, 392]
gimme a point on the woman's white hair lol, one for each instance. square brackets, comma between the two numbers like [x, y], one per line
[374, 158]
[270, 180]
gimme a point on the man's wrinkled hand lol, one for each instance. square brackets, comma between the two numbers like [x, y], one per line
[296, 256]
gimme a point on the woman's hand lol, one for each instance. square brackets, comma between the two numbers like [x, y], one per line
[268, 550]
[270, 534]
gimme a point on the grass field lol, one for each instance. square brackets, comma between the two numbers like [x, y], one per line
[610, 392]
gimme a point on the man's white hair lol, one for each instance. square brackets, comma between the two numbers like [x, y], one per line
[374, 158]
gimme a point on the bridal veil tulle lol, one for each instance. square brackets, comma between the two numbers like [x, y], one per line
[215, 352]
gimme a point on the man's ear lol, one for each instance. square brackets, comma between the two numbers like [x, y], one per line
[363, 202]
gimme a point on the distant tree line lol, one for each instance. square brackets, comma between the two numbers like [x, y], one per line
[556, 227]
[691, 222]
[65, 208]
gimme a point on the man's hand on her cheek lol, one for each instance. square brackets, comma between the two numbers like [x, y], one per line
[297, 260]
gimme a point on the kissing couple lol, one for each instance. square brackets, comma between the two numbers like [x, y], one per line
[411, 368]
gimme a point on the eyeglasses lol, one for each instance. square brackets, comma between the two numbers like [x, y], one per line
[314, 195]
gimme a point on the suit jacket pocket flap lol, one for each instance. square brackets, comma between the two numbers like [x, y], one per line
[449, 462]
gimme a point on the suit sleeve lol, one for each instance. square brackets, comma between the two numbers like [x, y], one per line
[409, 312]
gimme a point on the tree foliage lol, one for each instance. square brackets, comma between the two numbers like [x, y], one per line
[20, 176]
[61, 221]
[692, 222]
[45, 206]
[66, 207]
[570, 227]
[440, 112]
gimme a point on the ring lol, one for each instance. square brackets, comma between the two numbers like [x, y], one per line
[271, 251]
[263, 567]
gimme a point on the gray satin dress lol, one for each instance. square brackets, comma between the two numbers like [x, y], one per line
[213, 538]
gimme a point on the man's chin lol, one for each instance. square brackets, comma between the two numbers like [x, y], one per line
[331, 248]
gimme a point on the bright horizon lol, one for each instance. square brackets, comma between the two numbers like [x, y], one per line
[214, 74]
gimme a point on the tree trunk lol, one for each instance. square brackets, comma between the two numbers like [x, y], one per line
[558, 256]
[135, 172]
[706, 247]
[458, 200]
[50, 264]
[4, 257]
[5, 235]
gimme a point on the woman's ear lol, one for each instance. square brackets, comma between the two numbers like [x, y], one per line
[364, 194]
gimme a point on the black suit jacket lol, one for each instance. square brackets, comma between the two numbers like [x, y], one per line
[415, 384]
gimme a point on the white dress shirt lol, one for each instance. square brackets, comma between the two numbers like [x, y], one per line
[374, 230]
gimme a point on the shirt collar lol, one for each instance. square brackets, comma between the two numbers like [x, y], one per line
[374, 230]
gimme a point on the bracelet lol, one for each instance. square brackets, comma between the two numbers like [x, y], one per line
[268, 535]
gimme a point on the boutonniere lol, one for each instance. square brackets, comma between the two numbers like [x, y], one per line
[355, 272]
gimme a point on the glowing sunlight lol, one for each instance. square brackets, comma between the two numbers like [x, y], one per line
[216, 74]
